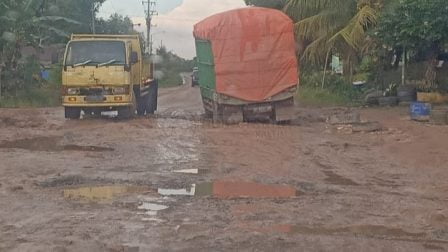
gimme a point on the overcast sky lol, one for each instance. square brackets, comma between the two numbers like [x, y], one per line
[175, 20]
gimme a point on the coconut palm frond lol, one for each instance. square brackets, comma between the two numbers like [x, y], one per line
[300, 9]
[321, 23]
[316, 51]
[355, 32]
[56, 19]
[339, 25]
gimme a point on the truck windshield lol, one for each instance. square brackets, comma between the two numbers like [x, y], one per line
[96, 53]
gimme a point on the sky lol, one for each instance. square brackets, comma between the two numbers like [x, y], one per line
[174, 24]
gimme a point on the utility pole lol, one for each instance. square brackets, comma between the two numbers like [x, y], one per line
[150, 12]
[93, 17]
[403, 70]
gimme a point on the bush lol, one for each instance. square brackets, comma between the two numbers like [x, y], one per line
[31, 90]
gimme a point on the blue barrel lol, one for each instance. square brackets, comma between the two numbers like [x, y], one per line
[420, 111]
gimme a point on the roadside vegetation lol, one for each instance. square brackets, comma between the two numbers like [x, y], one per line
[170, 66]
[370, 39]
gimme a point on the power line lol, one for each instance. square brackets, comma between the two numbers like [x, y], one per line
[178, 19]
[150, 11]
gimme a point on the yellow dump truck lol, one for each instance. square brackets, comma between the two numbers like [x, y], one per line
[107, 73]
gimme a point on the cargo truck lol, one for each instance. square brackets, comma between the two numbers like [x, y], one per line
[107, 73]
[248, 67]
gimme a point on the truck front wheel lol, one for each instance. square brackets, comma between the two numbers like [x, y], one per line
[72, 113]
[151, 105]
[125, 113]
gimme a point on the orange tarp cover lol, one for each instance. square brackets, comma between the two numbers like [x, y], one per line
[254, 52]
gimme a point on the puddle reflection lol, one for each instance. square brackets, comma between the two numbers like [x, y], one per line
[151, 208]
[191, 171]
[102, 192]
[224, 189]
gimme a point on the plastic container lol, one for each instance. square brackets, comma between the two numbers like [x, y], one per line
[434, 97]
[420, 111]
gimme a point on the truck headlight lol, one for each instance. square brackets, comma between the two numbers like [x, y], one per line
[73, 91]
[119, 91]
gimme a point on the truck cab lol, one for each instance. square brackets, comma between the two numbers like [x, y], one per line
[107, 73]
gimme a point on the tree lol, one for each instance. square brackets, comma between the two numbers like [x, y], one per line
[170, 66]
[116, 24]
[23, 22]
[80, 10]
[275, 4]
[417, 25]
[337, 26]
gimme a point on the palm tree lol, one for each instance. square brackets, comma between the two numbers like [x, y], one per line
[334, 26]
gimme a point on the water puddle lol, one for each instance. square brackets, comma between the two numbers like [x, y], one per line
[153, 219]
[151, 208]
[86, 148]
[49, 144]
[191, 171]
[102, 193]
[336, 179]
[224, 189]
[178, 192]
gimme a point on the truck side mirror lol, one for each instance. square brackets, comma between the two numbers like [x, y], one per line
[134, 57]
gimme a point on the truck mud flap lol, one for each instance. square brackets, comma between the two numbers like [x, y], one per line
[231, 114]
[261, 112]
[284, 111]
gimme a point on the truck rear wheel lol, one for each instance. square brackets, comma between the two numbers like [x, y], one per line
[125, 113]
[72, 113]
[141, 105]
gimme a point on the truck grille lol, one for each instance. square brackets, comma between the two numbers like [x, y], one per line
[95, 91]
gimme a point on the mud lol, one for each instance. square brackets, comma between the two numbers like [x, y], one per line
[336, 179]
[176, 182]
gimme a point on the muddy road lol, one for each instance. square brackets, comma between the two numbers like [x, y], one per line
[175, 182]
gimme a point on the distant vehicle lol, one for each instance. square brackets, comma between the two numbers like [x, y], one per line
[248, 65]
[107, 73]
[195, 77]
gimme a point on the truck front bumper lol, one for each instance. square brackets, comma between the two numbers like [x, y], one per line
[97, 101]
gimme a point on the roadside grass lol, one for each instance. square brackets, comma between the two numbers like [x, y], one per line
[327, 97]
[171, 79]
[36, 93]
[39, 97]
[336, 91]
